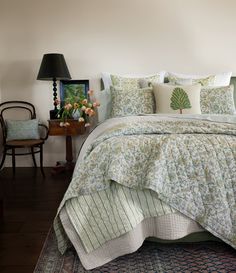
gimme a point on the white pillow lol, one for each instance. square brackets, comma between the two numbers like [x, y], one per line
[170, 98]
[107, 82]
[222, 79]
[104, 110]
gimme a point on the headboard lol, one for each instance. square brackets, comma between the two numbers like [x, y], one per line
[233, 81]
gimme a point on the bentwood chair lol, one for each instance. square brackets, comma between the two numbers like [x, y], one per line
[21, 132]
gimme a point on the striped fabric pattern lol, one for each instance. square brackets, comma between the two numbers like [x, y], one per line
[107, 214]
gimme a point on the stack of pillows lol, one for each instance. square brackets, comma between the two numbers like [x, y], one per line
[183, 94]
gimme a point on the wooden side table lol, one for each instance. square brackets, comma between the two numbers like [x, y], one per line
[74, 129]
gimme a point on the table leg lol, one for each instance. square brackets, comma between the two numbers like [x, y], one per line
[69, 155]
[69, 164]
[1, 210]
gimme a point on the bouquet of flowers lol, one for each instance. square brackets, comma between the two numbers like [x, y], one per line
[80, 108]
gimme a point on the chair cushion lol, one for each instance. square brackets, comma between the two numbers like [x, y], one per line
[22, 129]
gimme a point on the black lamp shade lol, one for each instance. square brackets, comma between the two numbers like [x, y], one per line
[53, 66]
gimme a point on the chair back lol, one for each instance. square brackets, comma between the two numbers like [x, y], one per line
[16, 110]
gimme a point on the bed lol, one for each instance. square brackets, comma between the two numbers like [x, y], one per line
[150, 175]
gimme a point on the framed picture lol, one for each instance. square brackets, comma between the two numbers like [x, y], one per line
[73, 88]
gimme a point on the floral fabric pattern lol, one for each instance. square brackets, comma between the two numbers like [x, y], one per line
[132, 102]
[208, 81]
[149, 81]
[217, 100]
[190, 164]
[132, 83]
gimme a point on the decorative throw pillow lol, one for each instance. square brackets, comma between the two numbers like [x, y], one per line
[132, 102]
[217, 100]
[222, 79]
[22, 129]
[174, 99]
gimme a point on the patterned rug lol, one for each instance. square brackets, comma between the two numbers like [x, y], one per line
[152, 257]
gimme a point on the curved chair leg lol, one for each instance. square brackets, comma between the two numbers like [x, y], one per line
[33, 156]
[3, 158]
[13, 161]
[41, 160]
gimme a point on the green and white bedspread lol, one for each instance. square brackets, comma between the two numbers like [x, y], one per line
[149, 166]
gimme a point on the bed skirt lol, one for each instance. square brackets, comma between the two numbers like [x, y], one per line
[167, 227]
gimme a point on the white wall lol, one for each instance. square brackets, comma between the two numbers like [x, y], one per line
[125, 36]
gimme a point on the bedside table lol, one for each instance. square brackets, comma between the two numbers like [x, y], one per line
[74, 129]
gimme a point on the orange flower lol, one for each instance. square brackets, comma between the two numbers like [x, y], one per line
[87, 110]
[91, 113]
[76, 105]
[85, 101]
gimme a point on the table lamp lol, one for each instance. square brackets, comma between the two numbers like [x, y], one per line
[53, 67]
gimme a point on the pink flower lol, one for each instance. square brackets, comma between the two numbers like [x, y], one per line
[57, 101]
[68, 106]
[90, 92]
[96, 104]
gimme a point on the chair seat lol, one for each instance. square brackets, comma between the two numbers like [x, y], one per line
[25, 143]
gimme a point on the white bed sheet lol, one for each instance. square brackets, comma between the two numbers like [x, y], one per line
[169, 227]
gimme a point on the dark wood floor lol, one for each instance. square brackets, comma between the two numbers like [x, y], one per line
[30, 204]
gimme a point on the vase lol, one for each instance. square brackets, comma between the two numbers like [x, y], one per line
[76, 114]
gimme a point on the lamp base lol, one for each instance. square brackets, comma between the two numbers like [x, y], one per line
[53, 114]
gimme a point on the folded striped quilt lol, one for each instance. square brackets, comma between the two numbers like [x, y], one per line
[143, 169]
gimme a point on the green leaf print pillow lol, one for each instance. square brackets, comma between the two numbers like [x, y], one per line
[177, 99]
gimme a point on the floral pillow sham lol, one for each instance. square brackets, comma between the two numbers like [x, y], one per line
[132, 102]
[130, 82]
[217, 100]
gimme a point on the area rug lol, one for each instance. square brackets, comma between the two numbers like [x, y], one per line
[152, 257]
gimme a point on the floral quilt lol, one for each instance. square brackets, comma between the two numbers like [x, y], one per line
[189, 164]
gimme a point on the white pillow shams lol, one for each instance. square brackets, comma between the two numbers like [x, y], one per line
[174, 99]
[221, 79]
[104, 110]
